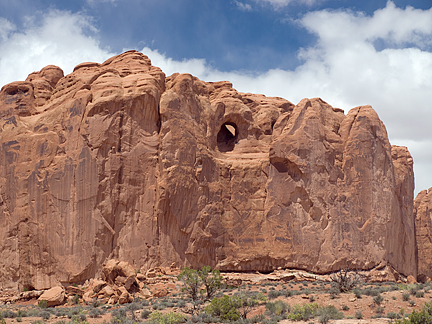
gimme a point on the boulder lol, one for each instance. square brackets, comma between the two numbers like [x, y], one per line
[72, 291]
[411, 280]
[97, 285]
[54, 296]
[88, 297]
[107, 291]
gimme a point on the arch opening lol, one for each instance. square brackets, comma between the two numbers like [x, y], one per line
[227, 137]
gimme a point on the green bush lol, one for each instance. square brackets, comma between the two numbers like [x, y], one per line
[145, 314]
[303, 312]
[358, 315]
[422, 317]
[378, 299]
[43, 304]
[45, 315]
[167, 318]
[393, 315]
[327, 313]
[277, 308]
[225, 308]
[405, 296]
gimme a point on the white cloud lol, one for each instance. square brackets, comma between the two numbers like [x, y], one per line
[345, 69]
[94, 2]
[277, 4]
[243, 6]
[6, 27]
[60, 38]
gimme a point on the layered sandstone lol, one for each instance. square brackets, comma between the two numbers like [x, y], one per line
[117, 161]
[423, 221]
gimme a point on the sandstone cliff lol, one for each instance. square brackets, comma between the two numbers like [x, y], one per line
[117, 161]
[423, 221]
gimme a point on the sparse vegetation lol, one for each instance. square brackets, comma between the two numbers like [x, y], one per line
[343, 281]
[167, 318]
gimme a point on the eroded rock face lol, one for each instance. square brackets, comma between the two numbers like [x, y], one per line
[423, 221]
[118, 162]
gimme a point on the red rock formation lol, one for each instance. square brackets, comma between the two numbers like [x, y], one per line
[115, 161]
[423, 221]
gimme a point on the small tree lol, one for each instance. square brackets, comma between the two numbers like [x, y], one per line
[211, 279]
[245, 302]
[192, 284]
[200, 285]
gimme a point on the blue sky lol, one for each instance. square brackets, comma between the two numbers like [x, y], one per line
[349, 53]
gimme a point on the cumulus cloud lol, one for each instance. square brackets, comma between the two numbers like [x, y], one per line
[243, 6]
[382, 60]
[57, 37]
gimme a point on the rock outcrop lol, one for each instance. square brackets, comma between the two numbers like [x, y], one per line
[423, 221]
[116, 161]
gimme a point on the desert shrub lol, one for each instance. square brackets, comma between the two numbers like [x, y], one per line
[95, 312]
[393, 287]
[277, 308]
[357, 293]
[204, 318]
[80, 318]
[422, 317]
[419, 294]
[43, 304]
[379, 311]
[343, 281]
[95, 302]
[411, 302]
[21, 313]
[45, 315]
[225, 308]
[158, 306]
[311, 298]
[413, 289]
[393, 315]
[303, 312]
[345, 307]
[358, 314]
[133, 307]
[75, 299]
[8, 314]
[269, 321]
[273, 294]
[167, 318]
[405, 296]
[327, 313]
[378, 299]
[145, 314]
